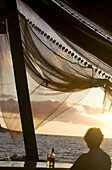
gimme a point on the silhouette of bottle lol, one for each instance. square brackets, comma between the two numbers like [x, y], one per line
[52, 159]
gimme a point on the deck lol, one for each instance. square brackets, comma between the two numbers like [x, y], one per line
[20, 165]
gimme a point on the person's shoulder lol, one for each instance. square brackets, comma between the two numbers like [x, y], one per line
[105, 153]
[83, 156]
[107, 157]
[79, 162]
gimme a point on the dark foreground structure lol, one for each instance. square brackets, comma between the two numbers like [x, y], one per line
[63, 16]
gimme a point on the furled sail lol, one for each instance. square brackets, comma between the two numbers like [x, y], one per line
[62, 63]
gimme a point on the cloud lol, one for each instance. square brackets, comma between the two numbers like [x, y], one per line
[91, 111]
[5, 96]
[79, 114]
[38, 107]
[9, 106]
[83, 114]
[44, 106]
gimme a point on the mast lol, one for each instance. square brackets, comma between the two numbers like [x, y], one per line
[21, 81]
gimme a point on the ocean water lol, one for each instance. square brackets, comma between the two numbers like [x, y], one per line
[67, 148]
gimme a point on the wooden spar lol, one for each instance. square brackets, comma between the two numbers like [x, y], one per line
[21, 81]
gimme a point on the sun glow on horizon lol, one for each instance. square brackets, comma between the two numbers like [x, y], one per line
[105, 117]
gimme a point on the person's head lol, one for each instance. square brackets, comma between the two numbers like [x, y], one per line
[93, 138]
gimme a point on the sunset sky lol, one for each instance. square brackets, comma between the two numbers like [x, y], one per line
[87, 113]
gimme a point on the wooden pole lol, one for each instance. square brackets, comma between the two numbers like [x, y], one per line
[21, 81]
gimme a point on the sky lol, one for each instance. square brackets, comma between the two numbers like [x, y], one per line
[87, 113]
[75, 122]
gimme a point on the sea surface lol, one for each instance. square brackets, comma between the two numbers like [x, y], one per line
[67, 149]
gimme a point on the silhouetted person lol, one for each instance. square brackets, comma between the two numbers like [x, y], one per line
[96, 158]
